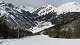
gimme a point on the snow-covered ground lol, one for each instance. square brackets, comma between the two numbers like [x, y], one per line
[41, 40]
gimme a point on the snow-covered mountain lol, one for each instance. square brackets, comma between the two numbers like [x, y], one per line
[51, 14]
[40, 19]
[58, 16]
[19, 18]
[26, 8]
[15, 17]
[45, 10]
[38, 9]
[64, 8]
[68, 7]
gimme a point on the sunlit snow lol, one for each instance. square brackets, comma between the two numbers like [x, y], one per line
[40, 40]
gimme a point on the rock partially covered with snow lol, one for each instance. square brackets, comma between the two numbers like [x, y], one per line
[41, 26]
[47, 10]
[30, 9]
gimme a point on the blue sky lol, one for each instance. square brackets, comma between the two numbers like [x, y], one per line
[38, 3]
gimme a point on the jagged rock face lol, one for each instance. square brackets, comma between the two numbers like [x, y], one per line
[37, 10]
[45, 10]
[47, 18]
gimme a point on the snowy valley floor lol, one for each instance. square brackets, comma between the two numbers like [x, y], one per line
[40, 40]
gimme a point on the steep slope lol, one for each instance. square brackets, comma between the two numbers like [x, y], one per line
[37, 10]
[15, 17]
[46, 13]
[14, 21]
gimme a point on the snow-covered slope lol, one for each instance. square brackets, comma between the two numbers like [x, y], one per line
[41, 26]
[42, 40]
[68, 7]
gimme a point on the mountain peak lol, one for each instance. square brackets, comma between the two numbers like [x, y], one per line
[46, 10]
[27, 8]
